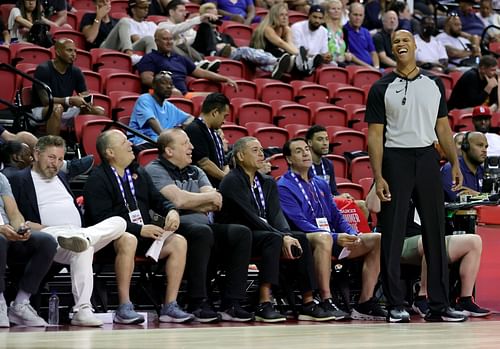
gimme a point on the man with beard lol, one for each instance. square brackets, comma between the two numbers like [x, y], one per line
[64, 79]
[481, 118]
[459, 45]
[312, 39]
[430, 54]
[406, 112]
[152, 113]
[477, 86]
[382, 39]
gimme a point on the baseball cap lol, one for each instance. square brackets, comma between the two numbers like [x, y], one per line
[481, 112]
[134, 3]
[316, 8]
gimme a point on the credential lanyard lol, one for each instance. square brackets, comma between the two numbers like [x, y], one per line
[122, 190]
[219, 147]
[306, 197]
[261, 203]
[323, 170]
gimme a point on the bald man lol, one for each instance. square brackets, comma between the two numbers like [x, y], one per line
[474, 147]
[64, 79]
[406, 112]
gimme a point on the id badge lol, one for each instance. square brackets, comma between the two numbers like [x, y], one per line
[135, 217]
[322, 223]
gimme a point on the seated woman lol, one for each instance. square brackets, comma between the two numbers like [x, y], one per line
[23, 16]
[333, 23]
[274, 35]
[209, 41]
[464, 248]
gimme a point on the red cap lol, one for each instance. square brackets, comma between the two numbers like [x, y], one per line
[481, 111]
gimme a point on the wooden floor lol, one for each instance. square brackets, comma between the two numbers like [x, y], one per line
[476, 333]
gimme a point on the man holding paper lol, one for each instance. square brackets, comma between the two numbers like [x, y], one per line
[307, 205]
[118, 187]
[188, 187]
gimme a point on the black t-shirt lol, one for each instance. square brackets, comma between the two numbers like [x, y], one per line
[62, 85]
[104, 29]
[469, 92]
[382, 42]
[52, 7]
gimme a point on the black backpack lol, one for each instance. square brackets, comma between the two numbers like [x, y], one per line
[39, 34]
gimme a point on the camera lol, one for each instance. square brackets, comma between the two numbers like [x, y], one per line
[491, 179]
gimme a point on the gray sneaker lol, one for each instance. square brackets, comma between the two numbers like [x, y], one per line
[171, 312]
[4, 319]
[24, 314]
[73, 243]
[125, 314]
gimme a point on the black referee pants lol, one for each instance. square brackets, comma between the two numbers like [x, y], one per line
[414, 174]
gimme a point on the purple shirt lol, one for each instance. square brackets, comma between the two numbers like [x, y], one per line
[359, 43]
[471, 180]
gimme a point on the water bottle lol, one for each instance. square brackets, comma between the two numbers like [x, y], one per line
[54, 309]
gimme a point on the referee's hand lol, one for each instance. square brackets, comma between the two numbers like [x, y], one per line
[383, 192]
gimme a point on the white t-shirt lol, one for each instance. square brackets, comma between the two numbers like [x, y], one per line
[459, 43]
[5, 190]
[14, 27]
[316, 42]
[493, 144]
[431, 51]
[55, 203]
[144, 28]
[493, 19]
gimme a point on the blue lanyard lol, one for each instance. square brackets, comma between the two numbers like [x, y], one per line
[323, 170]
[219, 148]
[122, 190]
[262, 206]
[306, 197]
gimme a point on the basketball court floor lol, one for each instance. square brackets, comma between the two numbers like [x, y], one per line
[476, 333]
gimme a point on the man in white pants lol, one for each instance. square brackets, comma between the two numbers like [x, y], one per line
[45, 200]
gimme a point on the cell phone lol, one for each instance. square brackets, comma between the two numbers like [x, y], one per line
[296, 252]
[88, 99]
[22, 230]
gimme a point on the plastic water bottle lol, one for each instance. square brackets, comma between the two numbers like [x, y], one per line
[54, 309]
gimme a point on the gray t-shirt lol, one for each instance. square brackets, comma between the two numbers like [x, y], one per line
[5, 190]
[190, 178]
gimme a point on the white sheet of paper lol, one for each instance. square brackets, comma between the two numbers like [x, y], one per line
[344, 253]
[416, 218]
[155, 248]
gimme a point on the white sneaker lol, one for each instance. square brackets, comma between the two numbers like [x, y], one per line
[24, 314]
[73, 243]
[85, 317]
[4, 319]
[135, 59]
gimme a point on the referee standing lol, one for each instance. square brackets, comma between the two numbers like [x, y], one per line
[406, 112]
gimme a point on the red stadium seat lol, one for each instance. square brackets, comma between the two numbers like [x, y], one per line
[360, 168]
[354, 189]
[183, 104]
[326, 74]
[268, 135]
[105, 58]
[80, 120]
[31, 54]
[269, 89]
[246, 89]
[327, 114]
[305, 92]
[363, 76]
[286, 112]
[146, 156]
[204, 85]
[278, 161]
[346, 140]
[90, 131]
[93, 81]
[339, 165]
[121, 81]
[234, 132]
[296, 130]
[356, 116]
[73, 34]
[249, 110]
[342, 95]
[123, 102]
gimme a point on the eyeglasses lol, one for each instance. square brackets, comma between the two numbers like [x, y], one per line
[165, 72]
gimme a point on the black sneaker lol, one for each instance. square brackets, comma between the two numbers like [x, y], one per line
[236, 313]
[281, 66]
[420, 306]
[446, 315]
[317, 61]
[467, 306]
[314, 312]
[205, 314]
[266, 312]
[329, 306]
[303, 57]
[369, 310]
[398, 314]
[77, 167]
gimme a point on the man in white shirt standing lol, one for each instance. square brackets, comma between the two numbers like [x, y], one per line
[312, 40]
[44, 199]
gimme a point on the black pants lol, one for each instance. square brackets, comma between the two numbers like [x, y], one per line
[233, 245]
[36, 253]
[267, 245]
[414, 174]
[200, 240]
